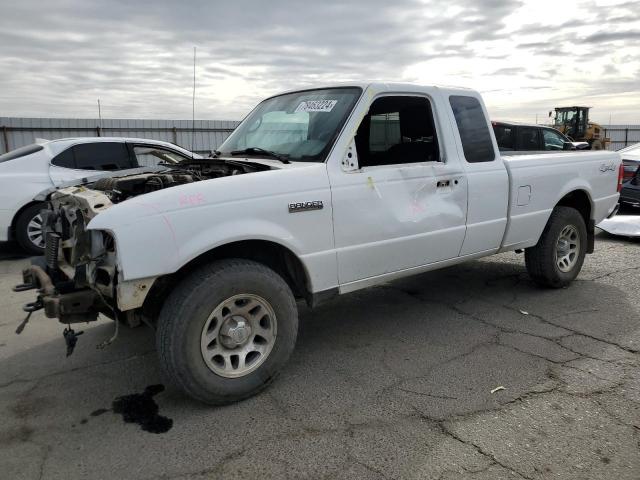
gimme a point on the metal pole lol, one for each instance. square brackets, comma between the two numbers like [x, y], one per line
[6, 138]
[193, 103]
[626, 136]
[175, 135]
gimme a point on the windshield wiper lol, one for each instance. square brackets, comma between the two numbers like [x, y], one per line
[260, 151]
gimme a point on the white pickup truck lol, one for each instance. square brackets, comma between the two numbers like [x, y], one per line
[318, 192]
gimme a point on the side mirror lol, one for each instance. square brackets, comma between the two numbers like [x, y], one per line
[568, 146]
[550, 113]
[350, 159]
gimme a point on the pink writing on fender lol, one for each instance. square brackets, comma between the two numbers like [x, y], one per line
[195, 199]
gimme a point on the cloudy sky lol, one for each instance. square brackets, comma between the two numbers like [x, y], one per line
[58, 57]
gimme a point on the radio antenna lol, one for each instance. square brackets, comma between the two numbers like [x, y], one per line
[193, 105]
[99, 115]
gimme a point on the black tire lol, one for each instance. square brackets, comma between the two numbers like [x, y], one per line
[22, 225]
[184, 316]
[541, 260]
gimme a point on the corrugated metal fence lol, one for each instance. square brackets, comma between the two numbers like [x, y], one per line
[622, 135]
[206, 135]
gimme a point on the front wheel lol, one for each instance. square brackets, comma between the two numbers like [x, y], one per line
[227, 330]
[557, 258]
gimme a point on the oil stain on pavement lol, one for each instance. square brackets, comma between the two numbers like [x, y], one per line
[142, 409]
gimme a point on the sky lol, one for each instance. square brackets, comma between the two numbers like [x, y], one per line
[57, 58]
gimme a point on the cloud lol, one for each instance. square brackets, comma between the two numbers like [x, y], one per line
[57, 60]
[602, 37]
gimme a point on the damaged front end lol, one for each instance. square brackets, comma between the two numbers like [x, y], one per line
[76, 278]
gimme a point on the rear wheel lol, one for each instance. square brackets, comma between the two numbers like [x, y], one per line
[227, 330]
[29, 229]
[557, 258]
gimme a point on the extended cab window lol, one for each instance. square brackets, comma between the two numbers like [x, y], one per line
[397, 130]
[101, 156]
[473, 129]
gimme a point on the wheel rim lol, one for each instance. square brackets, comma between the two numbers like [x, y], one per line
[34, 231]
[238, 335]
[567, 248]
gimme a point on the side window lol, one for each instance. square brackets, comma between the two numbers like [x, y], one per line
[64, 159]
[505, 136]
[397, 130]
[473, 129]
[102, 156]
[528, 138]
[384, 131]
[150, 156]
[552, 140]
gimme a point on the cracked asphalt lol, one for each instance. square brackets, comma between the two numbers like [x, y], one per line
[390, 382]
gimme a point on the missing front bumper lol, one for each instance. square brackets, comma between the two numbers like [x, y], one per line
[67, 304]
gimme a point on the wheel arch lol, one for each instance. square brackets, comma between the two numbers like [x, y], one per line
[269, 253]
[580, 200]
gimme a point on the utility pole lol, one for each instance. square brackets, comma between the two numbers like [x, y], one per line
[193, 103]
[99, 120]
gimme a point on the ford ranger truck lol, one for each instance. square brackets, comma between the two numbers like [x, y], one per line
[317, 193]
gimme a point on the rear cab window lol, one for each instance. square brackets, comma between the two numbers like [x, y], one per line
[20, 152]
[473, 129]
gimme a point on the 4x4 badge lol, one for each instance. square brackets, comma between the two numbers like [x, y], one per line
[610, 167]
[305, 206]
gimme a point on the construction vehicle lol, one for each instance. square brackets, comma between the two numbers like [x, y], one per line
[574, 123]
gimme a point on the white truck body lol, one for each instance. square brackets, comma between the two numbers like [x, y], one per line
[318, 192]
[378, 222]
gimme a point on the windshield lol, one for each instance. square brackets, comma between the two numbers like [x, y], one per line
[299, 126]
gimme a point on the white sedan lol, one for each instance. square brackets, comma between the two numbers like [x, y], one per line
[26, 171]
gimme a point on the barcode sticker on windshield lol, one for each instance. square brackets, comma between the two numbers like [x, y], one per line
[316, 106]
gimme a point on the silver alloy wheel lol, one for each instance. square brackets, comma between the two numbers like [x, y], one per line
[567, 248]
[238, 335]
[34, 231]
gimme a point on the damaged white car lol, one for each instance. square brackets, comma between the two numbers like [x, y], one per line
[317, 193]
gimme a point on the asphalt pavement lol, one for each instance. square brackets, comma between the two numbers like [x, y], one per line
[467, 372]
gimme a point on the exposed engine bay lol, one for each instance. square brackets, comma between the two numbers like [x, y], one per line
[118, 189]
[78, 279]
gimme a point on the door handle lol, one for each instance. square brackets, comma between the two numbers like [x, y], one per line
[446, 183]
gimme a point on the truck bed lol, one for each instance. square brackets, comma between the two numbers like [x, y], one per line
[538, 181]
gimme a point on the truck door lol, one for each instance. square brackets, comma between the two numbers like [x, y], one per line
[406, 204]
